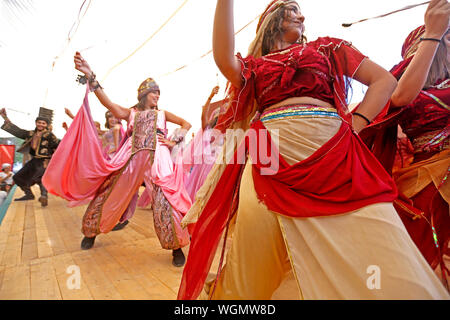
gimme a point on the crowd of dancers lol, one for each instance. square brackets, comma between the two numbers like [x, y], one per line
[310, 188]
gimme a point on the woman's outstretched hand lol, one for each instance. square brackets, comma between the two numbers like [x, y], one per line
[437, 18]
[69, 113]
[3, 114]
[214, 91]
[81, 64]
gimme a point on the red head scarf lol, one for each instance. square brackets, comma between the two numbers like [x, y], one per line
[411, 43]
[274, 5]
[409, 49]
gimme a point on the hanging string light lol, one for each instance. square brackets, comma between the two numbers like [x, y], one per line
[146, 41]
[346, 25]
[70, 36]
[206, 53]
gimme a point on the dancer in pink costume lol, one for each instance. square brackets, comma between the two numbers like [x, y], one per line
[112, 138]
[109, 139]
[200, 154]
[112, 185]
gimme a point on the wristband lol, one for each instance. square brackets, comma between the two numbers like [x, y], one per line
[430, 39]
[362, 116]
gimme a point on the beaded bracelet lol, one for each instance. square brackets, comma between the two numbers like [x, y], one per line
[362, 116]
[178, 135]
[83, 79]
[177, 139]
[92, 79]
[93, 88]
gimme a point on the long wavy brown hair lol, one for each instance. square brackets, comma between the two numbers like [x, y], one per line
[274, 31]
[440, 66]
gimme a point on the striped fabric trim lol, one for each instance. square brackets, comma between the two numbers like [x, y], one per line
[299, 111]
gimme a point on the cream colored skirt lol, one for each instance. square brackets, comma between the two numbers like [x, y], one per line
[365, 254]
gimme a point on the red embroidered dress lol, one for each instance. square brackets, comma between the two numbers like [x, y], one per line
[426, 123]
[341, 176]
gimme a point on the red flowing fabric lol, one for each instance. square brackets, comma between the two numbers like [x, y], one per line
[330, 61]
[208, 230]
[423, 115]
[339, 177]
[428, 113]
[426, 202]
[310, 188]
[77, 178]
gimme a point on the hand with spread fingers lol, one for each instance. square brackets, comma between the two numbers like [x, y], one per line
[437, 19]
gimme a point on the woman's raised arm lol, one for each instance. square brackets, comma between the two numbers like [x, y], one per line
[117, 110]
[415, 75]
[223, 42]
[381, 83]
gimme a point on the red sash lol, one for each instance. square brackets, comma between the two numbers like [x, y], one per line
[341, 176]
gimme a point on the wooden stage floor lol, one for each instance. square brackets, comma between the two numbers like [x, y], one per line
[40, 255]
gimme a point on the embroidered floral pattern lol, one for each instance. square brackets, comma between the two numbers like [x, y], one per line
[144, 130]
[91, 219]
[163, 220]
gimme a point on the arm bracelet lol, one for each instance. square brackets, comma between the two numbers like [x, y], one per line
[83, 79]
[430, 39]
[362, 116]
[178, 135]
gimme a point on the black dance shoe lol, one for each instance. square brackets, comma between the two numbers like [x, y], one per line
[87, 243]
[178, 258]
[43, 201]
[25, 197]
[120, 226]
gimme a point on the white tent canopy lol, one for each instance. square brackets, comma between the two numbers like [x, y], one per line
[34, 32]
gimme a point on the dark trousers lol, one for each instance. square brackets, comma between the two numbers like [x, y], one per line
[30, 174]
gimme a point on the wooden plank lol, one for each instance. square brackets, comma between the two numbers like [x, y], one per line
[43, 240]
[127, 264]
[161, 267]
[121, 237]
[142, 222]
[143, 230]
[19, 218]
[133, 260]
[16, 283]
[97, 282]
[154, 287]
[5, 228]
[54, 238]
[13, 249]
[2, 273]
[43, 283]
[29, 246]
[29, 222]
[148, 258]
[131, 232]
[29, 243]
[74, 217]
[64, 269]
[69, 230]
[118, 275]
